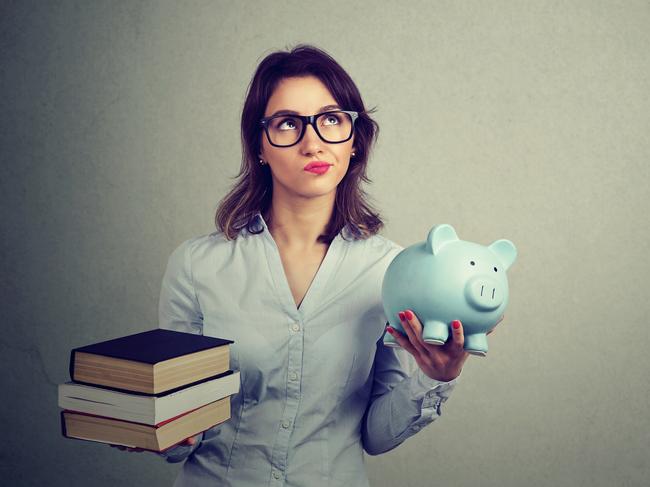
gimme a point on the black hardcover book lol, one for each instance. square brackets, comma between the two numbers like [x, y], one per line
[149, 348]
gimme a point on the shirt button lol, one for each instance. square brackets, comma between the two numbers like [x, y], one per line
[295, 327]
[293, 376]
[276, 475]
[285, 424]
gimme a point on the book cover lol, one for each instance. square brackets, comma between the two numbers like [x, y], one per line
[151, 346]
[149, 409]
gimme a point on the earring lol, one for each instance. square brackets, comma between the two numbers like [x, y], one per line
[353, 154]
[262, 162]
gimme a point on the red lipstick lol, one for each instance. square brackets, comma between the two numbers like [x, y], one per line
[317, 167]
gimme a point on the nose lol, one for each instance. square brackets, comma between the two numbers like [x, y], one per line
[483, 293]
[311, 143]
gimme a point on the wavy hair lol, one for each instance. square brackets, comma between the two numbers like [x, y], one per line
[253, 188]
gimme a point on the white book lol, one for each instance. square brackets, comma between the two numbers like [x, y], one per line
[146, 409]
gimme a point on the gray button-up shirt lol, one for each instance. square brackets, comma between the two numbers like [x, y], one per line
[318, 387]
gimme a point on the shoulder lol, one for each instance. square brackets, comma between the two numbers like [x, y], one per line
[376, 248]
[379, 243]
[200, 246]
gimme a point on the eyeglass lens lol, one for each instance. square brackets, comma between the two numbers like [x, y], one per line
[332, 127]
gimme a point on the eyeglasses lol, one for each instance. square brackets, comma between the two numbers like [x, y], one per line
[332, 127]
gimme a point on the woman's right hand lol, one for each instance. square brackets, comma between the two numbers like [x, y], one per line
[186, 442]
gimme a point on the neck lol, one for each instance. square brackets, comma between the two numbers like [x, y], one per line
[297, 223]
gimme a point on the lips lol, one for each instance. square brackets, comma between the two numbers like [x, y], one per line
[316, 164]
[317, 167]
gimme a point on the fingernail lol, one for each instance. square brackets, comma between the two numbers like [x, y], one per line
[455, 324]
[401, 316]
[409, 315]
[390, 330]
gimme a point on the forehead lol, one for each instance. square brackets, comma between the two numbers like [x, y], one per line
[304, 95]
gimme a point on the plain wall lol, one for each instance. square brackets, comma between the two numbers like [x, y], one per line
[119, 134]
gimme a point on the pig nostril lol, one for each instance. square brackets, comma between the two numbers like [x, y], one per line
[493, 289]
[481, 291]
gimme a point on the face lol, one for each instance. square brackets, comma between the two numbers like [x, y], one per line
[305, 95]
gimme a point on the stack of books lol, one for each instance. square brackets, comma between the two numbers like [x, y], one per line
[149, 390]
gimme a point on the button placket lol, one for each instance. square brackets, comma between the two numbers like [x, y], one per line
[294, 366]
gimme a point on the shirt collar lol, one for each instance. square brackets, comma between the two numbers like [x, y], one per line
[258, 224]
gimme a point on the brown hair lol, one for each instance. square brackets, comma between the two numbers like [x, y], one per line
[253, 189]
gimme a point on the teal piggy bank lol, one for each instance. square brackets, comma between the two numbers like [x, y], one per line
[445, 279]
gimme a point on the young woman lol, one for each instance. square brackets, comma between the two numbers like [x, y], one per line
[293, 275]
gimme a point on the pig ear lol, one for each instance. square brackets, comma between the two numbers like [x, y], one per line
[505, 250]
[439, 236]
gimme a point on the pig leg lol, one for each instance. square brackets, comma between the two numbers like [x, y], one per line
[476, 344]
[435, 332]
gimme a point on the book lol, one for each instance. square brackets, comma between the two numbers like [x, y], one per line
[151, 362]
[156, 438]
[150, 409]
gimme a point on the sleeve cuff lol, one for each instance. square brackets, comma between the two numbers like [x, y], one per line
[421, 384]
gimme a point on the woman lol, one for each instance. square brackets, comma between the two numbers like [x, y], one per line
[293, 276]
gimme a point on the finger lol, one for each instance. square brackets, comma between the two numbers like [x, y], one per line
[413, 321]
[407, 319]
[402, 340]
[457, 336]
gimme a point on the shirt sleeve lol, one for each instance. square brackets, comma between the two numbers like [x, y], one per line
[178, 307]
[179, 310]
[400, 404]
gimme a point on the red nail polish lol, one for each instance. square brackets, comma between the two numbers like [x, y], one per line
[409, 315]
[390, 330]
[401, 316]
[455, 324]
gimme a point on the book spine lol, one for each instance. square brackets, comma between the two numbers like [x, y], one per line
[63, 430]
[72, 357]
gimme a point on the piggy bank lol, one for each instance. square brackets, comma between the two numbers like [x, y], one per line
[445, 279]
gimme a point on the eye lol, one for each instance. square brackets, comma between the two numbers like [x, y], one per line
[331, 119]
[495, 269]
[285, 124]
[471, 262]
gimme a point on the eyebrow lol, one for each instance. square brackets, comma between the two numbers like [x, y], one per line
[293, 112]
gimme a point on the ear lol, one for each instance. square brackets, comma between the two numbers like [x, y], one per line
[505, 251]
[439, 236]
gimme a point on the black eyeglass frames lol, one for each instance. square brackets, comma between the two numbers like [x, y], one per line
[333, 127]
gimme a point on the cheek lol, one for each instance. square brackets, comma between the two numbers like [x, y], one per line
[344, 170]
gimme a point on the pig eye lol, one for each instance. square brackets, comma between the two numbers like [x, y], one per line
[471, 262]
[495, 269]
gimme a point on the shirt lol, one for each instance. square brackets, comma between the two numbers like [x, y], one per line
[318, 387]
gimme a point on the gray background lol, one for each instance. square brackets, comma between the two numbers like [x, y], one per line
[523, 120]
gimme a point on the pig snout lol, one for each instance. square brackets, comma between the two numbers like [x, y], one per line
[483, 293]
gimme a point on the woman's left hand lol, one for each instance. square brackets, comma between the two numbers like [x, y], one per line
[440, 362]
